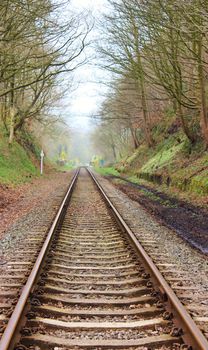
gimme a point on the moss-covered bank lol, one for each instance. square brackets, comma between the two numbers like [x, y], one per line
[17, 163]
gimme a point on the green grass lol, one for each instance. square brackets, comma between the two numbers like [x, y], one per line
[134, 179]
[174, 161]
[162, 158]
[107, 171]
[15, 164]
[64, 167]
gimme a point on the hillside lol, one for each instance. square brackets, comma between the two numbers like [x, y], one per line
[173, 166]
[170, 163]
[17, 165]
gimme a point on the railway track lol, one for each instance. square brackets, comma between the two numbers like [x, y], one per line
[94, 287]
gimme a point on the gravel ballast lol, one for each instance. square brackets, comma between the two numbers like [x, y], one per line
[184, 267]
[186, 263]
[31, 207]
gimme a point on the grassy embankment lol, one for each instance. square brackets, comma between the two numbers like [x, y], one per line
[172, 166]
[16, 164]
[107, 171]
[20, 164]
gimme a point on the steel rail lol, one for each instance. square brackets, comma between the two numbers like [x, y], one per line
[8, 338]
[192, 335]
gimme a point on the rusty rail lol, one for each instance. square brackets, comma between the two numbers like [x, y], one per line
[192, 335]
[9, 336]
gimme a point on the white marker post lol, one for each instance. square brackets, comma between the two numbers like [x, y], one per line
[41, 161]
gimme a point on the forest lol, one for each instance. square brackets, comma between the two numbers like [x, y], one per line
[41, 43]
[157, 52]
[153, 117]
[103, 174]
[156, 106]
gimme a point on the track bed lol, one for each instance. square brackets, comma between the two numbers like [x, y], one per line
[93, 291]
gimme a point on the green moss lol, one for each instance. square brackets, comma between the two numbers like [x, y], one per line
[15, 163]
[163, 157]
[107, 171]
[173, 161]
[134, 179]
[134, 155]
[66, 167]
[199, 184]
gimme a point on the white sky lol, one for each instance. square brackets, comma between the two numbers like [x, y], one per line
[86, 99]
[89, 4]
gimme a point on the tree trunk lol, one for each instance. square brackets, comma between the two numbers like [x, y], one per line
[185, 127]
[204, 114]
[11, 126]
[141, 86]
[146, 121]
[12, 114]
[134, 138]
[114, 151]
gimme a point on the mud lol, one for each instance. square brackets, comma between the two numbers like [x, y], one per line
[188, 221]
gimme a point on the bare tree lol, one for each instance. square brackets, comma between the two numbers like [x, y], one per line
[37, 44]
[121, 49]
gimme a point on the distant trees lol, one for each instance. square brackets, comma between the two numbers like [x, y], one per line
[122, 52]
[161, 46]
[168, 57]
[120, 120]
[39, 40]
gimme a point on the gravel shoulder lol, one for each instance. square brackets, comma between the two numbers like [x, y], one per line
[31, 208]
[188, 265]
[27, 206]
[188, 220]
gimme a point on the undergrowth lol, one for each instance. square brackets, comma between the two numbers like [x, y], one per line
[16, 166]
[107, 171]
[173, 164]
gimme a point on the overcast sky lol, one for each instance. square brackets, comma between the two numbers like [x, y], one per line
[86, 99]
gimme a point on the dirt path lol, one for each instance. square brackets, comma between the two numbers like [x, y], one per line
[15, 203]
[189, 221]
